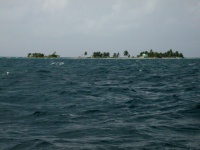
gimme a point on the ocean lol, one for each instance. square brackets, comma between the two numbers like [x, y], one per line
[99, 104]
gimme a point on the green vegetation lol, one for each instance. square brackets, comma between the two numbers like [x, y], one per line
[40, 55]
[101, 55]
[116, 55]
[144, 54]
[168, 54]
[36, 55]
[126, 53]
[107, 55]
[85, 54]
[54, 55]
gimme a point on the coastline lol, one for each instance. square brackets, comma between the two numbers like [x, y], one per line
[121, 58]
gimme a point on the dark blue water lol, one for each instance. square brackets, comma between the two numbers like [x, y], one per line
[99, 104]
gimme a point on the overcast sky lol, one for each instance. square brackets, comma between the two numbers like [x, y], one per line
[71, 27]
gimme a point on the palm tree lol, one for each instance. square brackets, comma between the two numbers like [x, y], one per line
[118, 54]
[114, 55]
[29, 55]
[85, 53]
[126, 53]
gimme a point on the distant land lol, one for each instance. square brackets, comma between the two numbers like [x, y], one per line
[41, 55]
[168, 54]
[144, 54]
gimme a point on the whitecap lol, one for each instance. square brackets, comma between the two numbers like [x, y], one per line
[61, 63]
[73, 116]
[57, 63]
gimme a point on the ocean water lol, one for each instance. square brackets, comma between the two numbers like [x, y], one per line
[99, 104]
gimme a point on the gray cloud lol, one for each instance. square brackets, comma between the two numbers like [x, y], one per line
[71, 27]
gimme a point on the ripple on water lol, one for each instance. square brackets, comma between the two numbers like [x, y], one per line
[99, 104]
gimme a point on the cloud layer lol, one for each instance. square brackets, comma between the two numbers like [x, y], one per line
[71, 27]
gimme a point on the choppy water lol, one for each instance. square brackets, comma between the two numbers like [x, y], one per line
[99, 104]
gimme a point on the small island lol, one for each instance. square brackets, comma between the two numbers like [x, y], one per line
[144, 54]
[40, 55]
[168, 54]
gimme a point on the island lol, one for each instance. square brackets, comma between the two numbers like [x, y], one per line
[41, 55]
[144, 54]
[168, 54]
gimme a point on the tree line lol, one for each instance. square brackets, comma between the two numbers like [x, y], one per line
[101, 55]
[150, 54]
[107, 54]
[168, 54]
[41, 55]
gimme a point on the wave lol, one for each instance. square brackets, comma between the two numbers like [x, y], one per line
[34, 144]
[99, 104]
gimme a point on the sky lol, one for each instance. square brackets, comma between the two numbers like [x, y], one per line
[71, 27]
